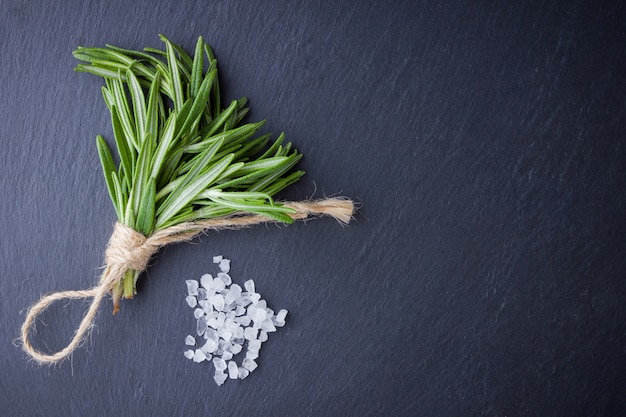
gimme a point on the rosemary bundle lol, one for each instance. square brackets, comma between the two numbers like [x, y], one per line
[181, 156]
[183, 165]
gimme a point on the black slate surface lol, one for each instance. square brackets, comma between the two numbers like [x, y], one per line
[484, 274]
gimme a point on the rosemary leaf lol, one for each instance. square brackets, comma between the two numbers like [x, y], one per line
[199, 102]
[108, 167]
[152, 109]
[123, 148]
[180, 196]
[175, 75]
[139, 106]
[123, 113]
[184, 195]
[164, 145]
[197, 68]
[145, 214]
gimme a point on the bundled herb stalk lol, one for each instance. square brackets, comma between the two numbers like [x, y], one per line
[185, 164]
[193, 160]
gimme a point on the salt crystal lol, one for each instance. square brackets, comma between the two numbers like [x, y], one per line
[219, 364]
[249, 364]
[225, 278]
[268, 326]
[191, 301]
[220, 377]
[250, 333]
[218, 285]
[192, 287]
[243, 300]
[252, 354]
[229, 322]
[227, 336]
[218, 302]
[239, 311]
[249, 286]
[212, 323]
[202, 294]
[236, 348]
[255, 298]
[206, 306]
[243, 320]
[199, 356]
[211, 334]
[254, 345]
[190, 341]
[189, 354]
[243, 373]
[225, 265]
[206, 281]
[201, 325]
[227, 346]
[260, 315]
[233, 294]
[233, 370]
[197, 313]
[280, 317]
[281, 314]
[209, 346]
[227, 356]
[238, 333]
[217, 259]
[263, 336]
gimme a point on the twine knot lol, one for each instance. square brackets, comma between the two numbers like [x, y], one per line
[128, 249]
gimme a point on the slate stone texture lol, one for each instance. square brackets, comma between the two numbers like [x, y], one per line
[484, 274]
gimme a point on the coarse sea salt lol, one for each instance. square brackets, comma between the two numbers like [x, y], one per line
[225, 265]
[243, 373]
[220, 377]
[233, 370]
[233, 320]
[199, 356]
[191, 301]
[206, 281]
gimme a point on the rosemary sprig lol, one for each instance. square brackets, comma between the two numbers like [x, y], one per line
[181, 156]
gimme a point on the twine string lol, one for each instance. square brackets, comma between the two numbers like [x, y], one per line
[128, 249]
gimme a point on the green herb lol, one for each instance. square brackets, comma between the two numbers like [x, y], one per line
[181, 156]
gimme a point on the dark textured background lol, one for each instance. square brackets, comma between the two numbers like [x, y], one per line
[485, 274]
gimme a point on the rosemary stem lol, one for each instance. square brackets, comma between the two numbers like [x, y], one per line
[128, 283]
